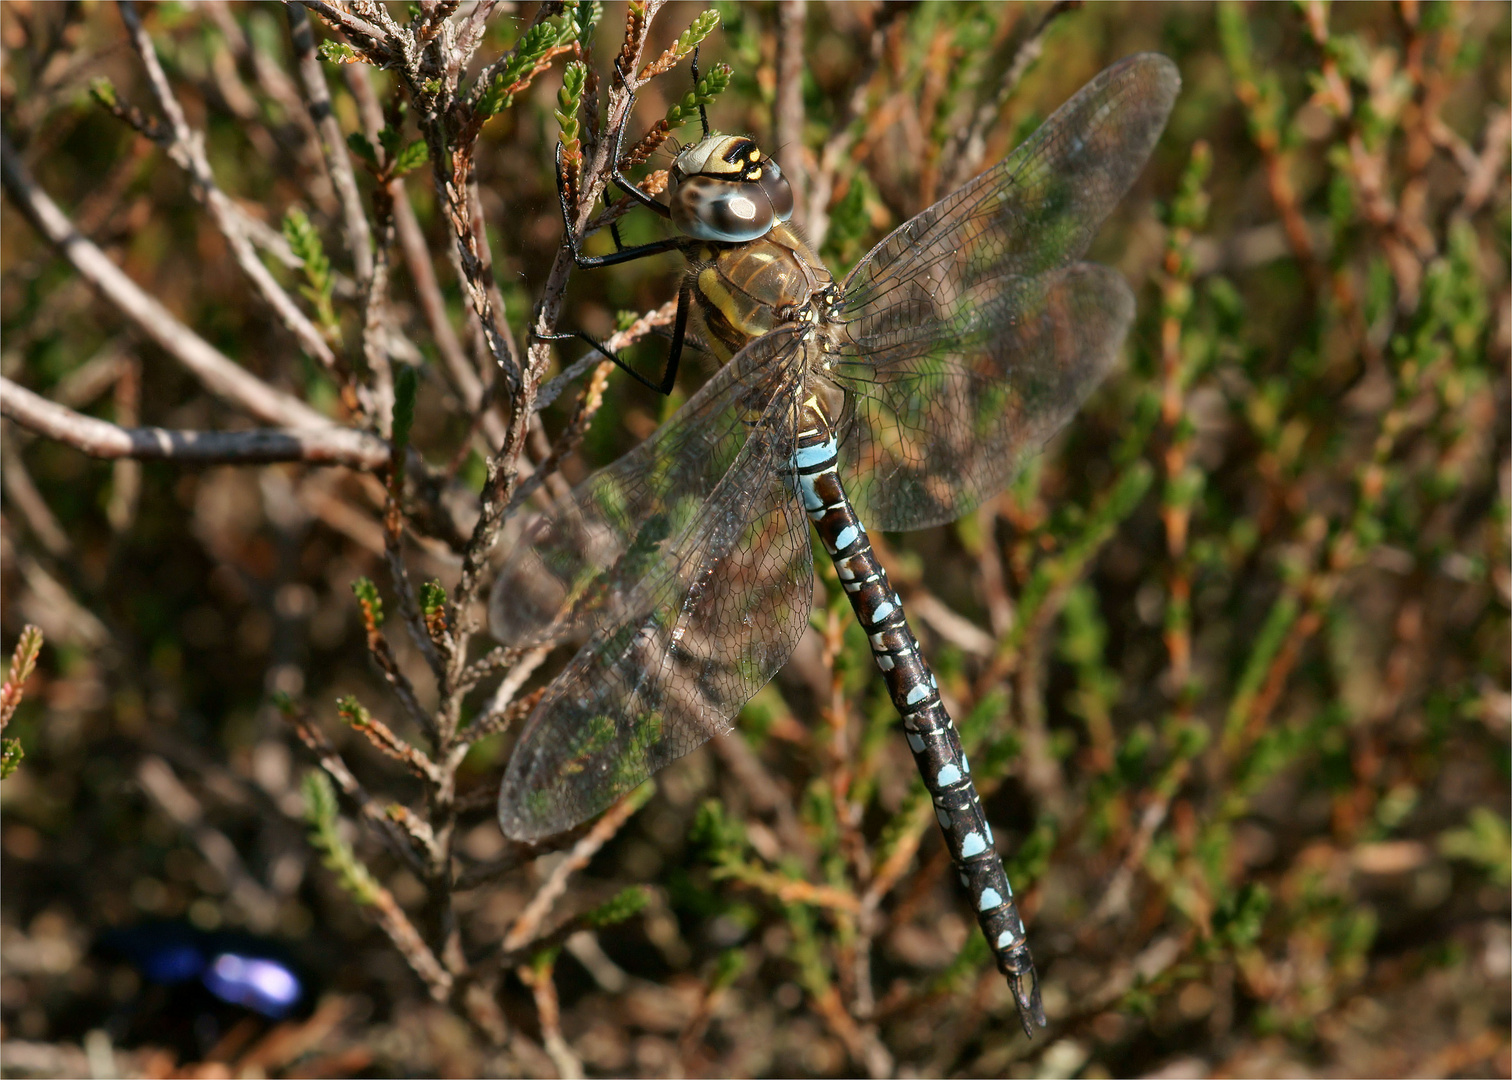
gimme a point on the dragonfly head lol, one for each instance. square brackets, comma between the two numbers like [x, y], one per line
[726, 190]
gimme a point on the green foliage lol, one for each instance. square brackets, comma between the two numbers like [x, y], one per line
[338, 52]
[701, 27]
[518, 70]
[11, 755]
[104, 91]
[411, 157]
[353, 711]
[625, 904]
[570, 100]
[362, 146]
[322, 819]
[367, 595]
[586, 15]
[1485, 842]
[703, 94]
[319, 284]
[721, 837]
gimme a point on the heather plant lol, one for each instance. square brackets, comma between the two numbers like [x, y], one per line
[1230, 658]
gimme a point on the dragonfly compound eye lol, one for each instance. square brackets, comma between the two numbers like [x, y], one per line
[777, 191]
[729, 212]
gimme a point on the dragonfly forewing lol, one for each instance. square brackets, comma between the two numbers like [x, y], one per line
[1034, 211]
[709, 622]
[578, 563]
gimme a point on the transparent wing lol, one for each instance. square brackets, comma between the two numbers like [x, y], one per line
[970, 333]
[575, 567]
[933, 441]
[715, 618]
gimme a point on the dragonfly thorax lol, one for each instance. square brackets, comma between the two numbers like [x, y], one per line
[725, 190]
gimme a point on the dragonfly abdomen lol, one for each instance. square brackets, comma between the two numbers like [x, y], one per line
[932, 735]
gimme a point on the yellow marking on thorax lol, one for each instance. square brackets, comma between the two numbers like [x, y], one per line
[711, 287]
[714, 290]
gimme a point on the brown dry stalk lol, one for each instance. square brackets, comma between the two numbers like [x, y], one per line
[527, 926]
[649, 143]
[383, 738]
[397, 841]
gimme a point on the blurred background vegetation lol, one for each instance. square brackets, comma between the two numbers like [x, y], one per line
[1234, 653]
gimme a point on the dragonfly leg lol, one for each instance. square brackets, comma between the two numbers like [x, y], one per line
[703, 112]
[617, 177]
[674, 355]
[588, 262]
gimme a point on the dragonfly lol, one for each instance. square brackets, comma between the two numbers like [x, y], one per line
[902, 396]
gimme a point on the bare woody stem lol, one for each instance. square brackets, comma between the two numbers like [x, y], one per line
[219, 374]
[102, 439]
[186, 147]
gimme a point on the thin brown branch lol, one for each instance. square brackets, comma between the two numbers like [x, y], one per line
[527, 926]
[382, 736]
[503, 710]
[470, 34]
[791, 890]
[333, 149]
[404, 589]
[398, 681]
[395, 838]
[422, 961]
[364, 34]
[217, 372]
[375, 307]
[970, 144]
[503, 467]
[495, 659]
[588, 405]
[792, 17]
[186, 148]
[102, 439]
[954, 628]
[548, 1009]
[418, 829]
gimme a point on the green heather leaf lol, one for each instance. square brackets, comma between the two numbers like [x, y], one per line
[700, 28]
[537, 42]
[104, 91]
[625, 904]
[411, 157]
[11, 754]
[362, 146]
[353, 711]
[338, 52]
[709, 87]
[319, 799]
[367, 593]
